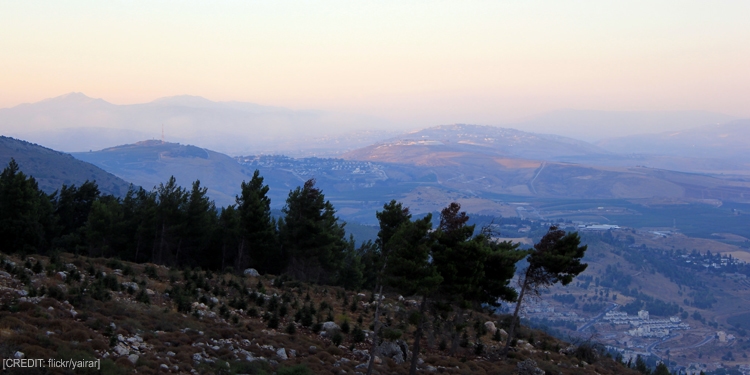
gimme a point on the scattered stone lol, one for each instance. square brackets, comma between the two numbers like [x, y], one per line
[150, 292]
[197, 357]
[133, 358]
[171, 353]
[5, 275]
[490, 326]
[396, 350]
[281, 353]
[62, 275]
[252, 272]
[164, 367]
[121, 349]
[130, 284]
[292, 353]
[330, 326]
[19, 355]
[529, 367]
[70, 267]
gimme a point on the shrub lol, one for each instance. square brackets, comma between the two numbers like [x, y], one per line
[345, 326]
[273, 322]
[337, 338]
[295, 370]
[358, 335]
[291, 328]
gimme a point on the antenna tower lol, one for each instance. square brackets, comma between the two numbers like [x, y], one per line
[162, 133]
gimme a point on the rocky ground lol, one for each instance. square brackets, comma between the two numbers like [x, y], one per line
[144, 318]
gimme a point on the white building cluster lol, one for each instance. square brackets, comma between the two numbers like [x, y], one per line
[643, 326]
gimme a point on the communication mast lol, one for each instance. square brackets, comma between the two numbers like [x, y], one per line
[162, 133]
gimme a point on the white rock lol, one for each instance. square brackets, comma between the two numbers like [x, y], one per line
[133, 358]
[130, 284]
[197, 357]
[19, 355]
[281, 353]
[121, 349]
[171, 353]
[164, 367]
[490, 327]
[251, 272]
[328, 326]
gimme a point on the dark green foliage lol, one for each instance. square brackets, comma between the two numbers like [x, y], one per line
[295, 370]
[556, 258]
[257, 243]
[345, 326]
[290, 328]
[25, 212]
[311, 236]
[358, 335]
[337, 338]
[273, 321]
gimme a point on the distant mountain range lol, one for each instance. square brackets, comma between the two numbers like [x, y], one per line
[75, 122]
[52, 169]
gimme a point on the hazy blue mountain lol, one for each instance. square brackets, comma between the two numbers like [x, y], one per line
[593, 126]
[52, 169]
[149, 163]
[489, 140]
[75, 122]
[722, 141]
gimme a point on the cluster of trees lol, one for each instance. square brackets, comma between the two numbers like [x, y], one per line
[450, 268]
[175, 226]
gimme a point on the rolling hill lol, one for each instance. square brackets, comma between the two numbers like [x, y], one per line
[149, 163]
[52, 169]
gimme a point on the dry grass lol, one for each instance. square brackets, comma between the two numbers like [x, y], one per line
[223, 330]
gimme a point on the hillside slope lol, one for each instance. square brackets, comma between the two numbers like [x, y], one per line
[152, 319]
[52, 169]
[150, 163]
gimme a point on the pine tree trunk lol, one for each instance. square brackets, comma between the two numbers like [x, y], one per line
[418, 337]
[375, 328]
[511, 330]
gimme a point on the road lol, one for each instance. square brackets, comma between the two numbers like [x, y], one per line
[531, 184]
[596, 318]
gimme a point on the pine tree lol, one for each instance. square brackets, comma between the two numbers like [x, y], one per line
[258, 245]
[170, 215]
[555, 258]
[200, 222]
[411, 272]
[25, 212]
[393, 216]
[311, 235]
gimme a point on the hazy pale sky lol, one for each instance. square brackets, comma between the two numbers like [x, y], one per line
[408, 61]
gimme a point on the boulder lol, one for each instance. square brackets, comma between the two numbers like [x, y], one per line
[397, 350]
[529, 367]
[121, 349]
[252, 272]
[129, 284]
[330, 326]
[281, 353]
[490, 326]
[133, 358]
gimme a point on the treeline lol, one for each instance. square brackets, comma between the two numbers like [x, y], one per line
[450, 268]
[174, 226]
[181, 227]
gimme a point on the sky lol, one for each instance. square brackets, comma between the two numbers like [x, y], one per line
[422, 62]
